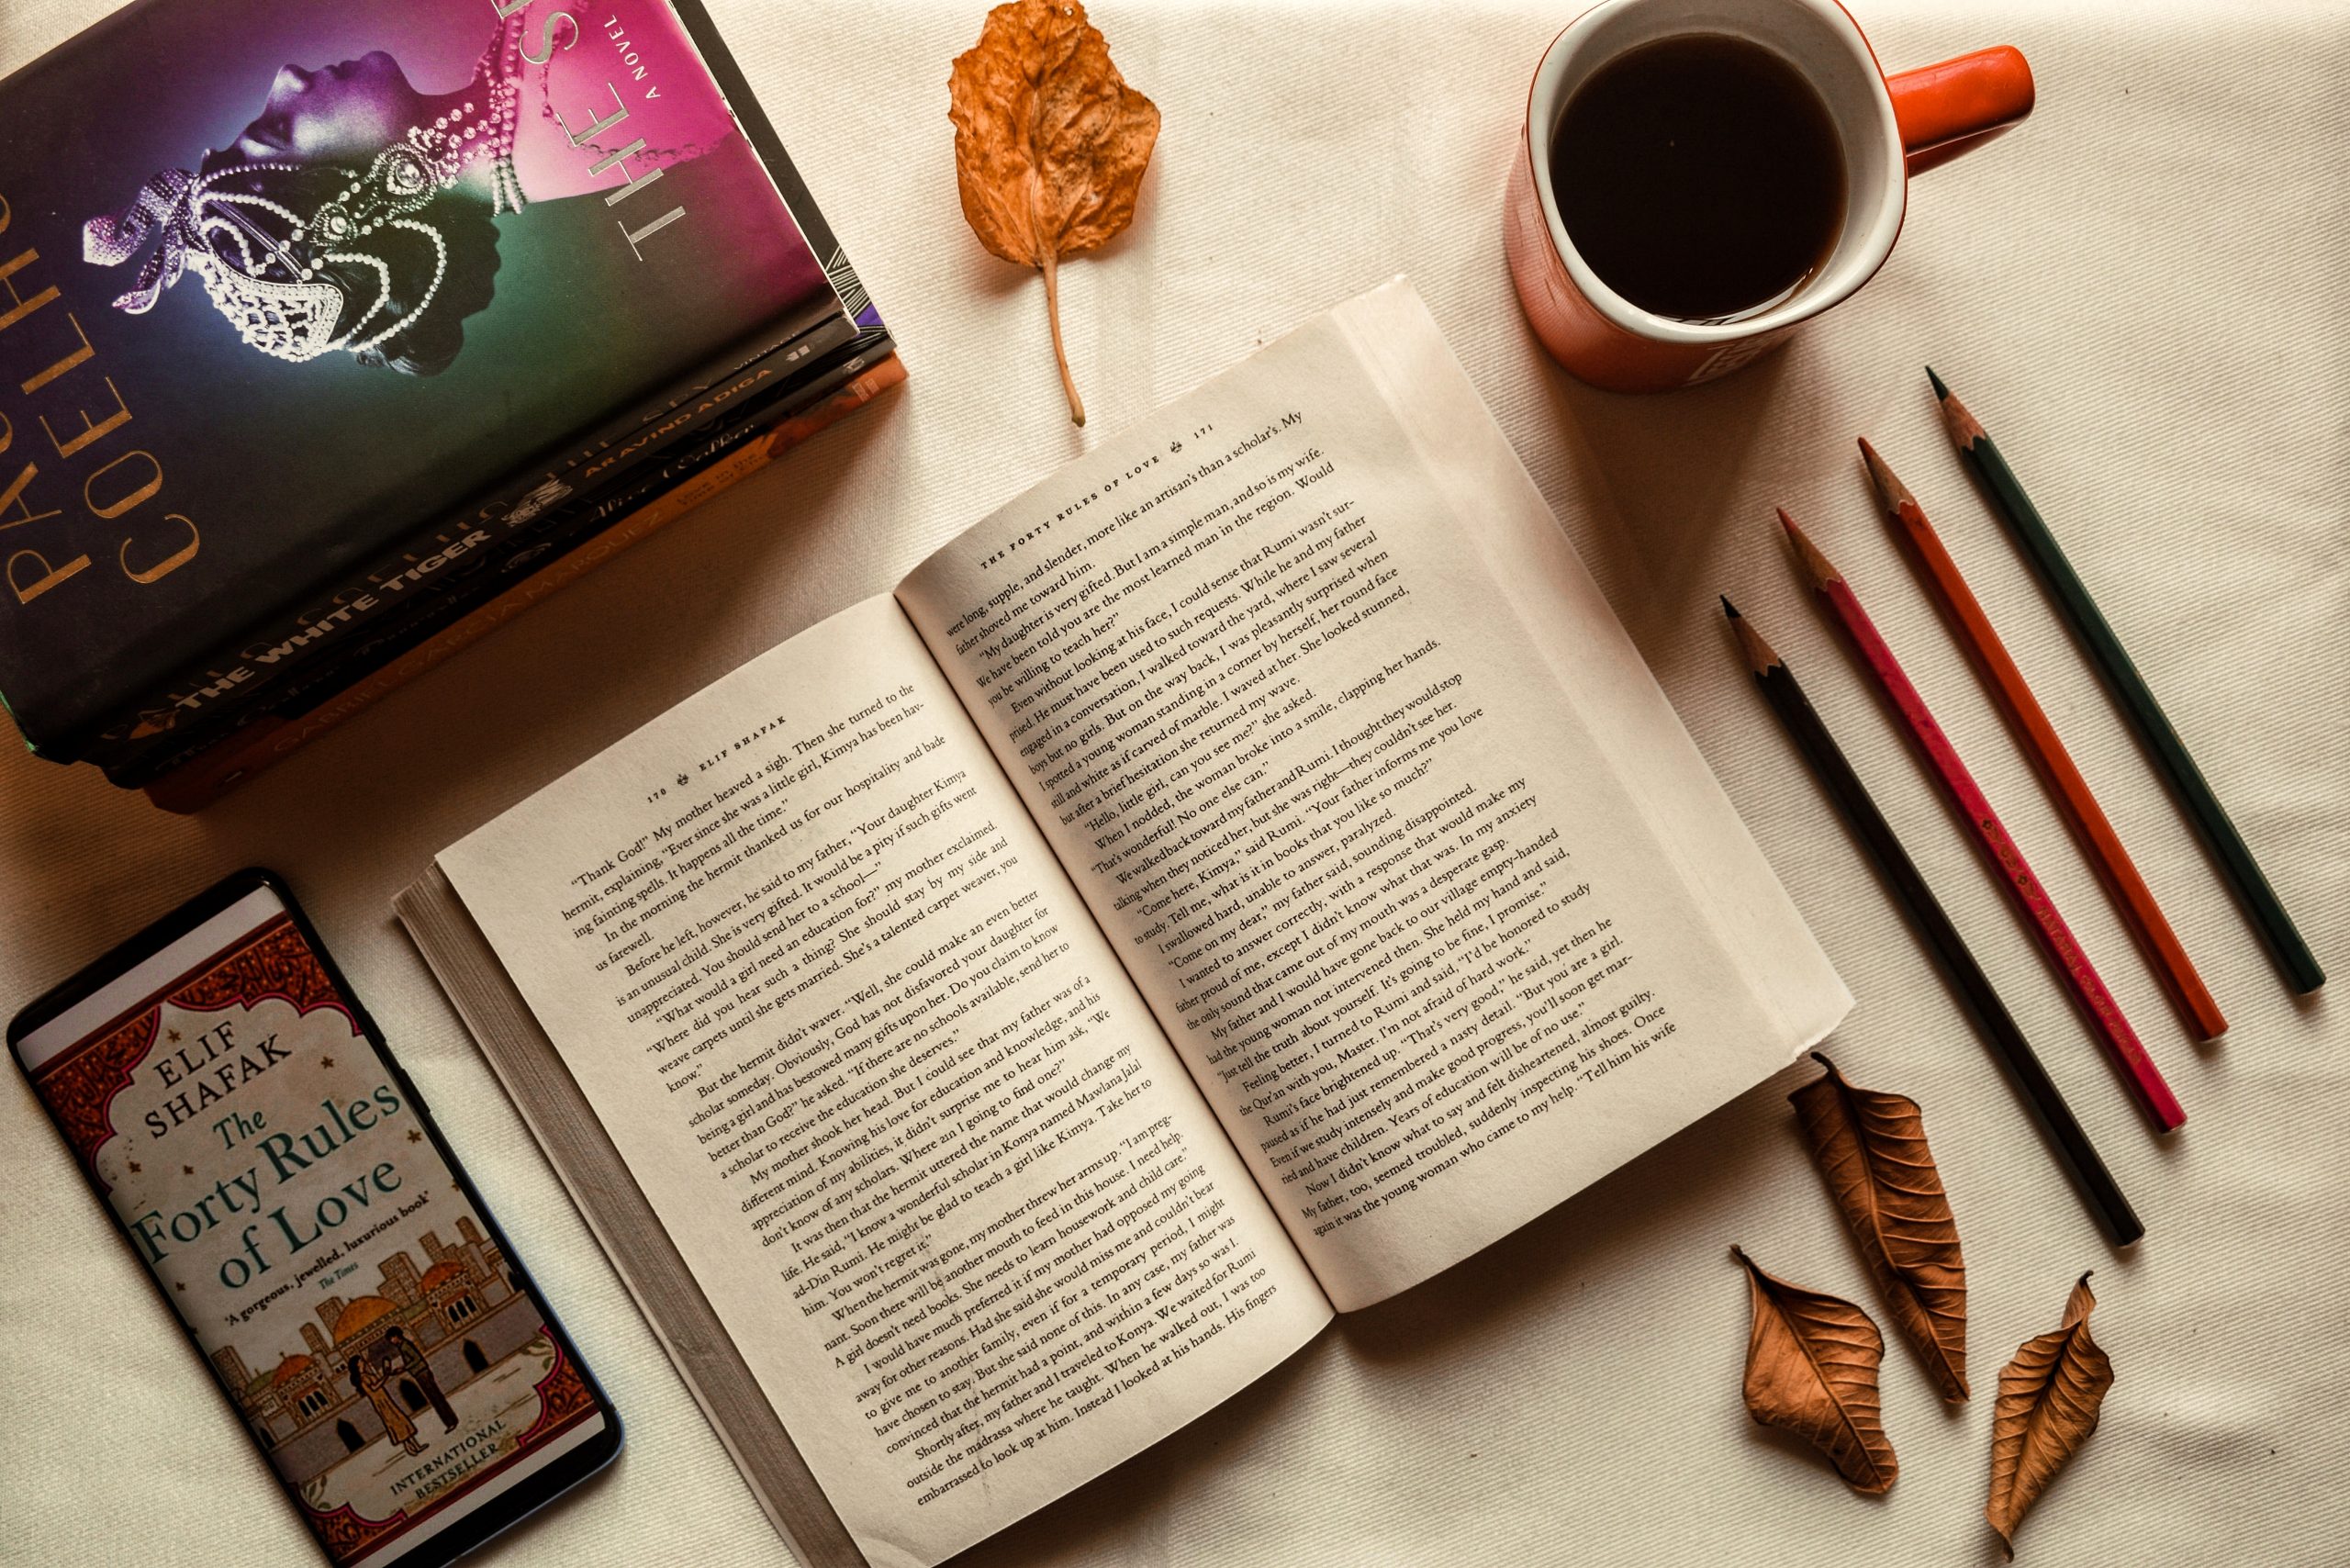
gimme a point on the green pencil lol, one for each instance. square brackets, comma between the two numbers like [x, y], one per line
[1981, 455]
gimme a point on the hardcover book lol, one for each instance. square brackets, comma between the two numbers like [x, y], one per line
[342, 283]
[204, 776]
[1241, 878]
[492, 561]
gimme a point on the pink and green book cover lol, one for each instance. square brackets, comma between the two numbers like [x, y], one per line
[298, 296]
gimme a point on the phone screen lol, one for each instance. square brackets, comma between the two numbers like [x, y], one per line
[276, 1172]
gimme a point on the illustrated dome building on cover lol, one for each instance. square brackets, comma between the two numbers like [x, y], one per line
[454, 1312]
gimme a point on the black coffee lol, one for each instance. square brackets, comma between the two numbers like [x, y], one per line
[1700, 176]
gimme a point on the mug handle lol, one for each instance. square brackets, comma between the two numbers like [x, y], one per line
[1953, 107]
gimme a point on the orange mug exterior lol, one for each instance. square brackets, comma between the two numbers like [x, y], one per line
[1942, 110]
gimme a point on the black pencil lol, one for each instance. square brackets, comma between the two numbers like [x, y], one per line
[1982, 456]
[1990, 1015]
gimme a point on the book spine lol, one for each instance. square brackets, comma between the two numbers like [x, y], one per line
[329, 618]
[483, 574]
[213, 773]
[759, 131]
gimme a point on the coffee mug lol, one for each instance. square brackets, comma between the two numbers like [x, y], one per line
[1890, 128]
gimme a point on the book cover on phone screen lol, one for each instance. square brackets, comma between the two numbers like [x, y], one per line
[274, 1175]
[336, 275]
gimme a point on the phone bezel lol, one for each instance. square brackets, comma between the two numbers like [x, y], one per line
[535, 1491]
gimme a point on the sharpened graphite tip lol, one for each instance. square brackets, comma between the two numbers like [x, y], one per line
[1891, 492]
[1760, 657]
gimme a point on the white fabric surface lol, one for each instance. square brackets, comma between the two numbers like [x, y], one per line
[2143, 291]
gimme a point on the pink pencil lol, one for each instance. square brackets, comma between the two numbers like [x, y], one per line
[2006, 860]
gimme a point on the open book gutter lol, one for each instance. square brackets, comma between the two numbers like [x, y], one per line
[1243, 877]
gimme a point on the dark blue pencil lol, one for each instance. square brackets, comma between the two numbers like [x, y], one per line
[1990, 1015]
[1982, 456]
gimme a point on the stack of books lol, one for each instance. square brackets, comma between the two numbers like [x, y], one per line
[360, 329]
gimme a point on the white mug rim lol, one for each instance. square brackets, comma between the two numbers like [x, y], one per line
[1876, 239]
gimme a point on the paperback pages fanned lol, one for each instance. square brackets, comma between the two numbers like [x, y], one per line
[1241, 878]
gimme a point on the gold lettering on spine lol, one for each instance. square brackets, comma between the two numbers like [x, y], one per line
[146, 491]
[13, 498]
[49, 577]
[8, 271]
[29, 572]
[170, 563]
[92, 429]
[68, 363]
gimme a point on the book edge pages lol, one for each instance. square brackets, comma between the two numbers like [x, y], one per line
[622, 1221]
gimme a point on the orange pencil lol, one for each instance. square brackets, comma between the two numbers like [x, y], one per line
[2196, 1008]
[2007, 862]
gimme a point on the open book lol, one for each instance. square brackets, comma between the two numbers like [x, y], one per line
[1242, 876]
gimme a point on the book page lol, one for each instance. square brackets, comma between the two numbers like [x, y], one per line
[1374, 799]
[925, 1150]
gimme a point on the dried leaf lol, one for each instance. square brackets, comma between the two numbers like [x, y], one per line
[2048, 1398]
[1811, 1365]
[1050, 143]
[1872, 1149]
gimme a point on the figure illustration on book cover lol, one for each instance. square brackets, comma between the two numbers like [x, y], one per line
[300, 277]
[355, 212]
[380, 1376]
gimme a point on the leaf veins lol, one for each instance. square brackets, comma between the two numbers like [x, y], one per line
[2049, 1399]
[1812, 1362]
[1051, 144]
[1870, 1146]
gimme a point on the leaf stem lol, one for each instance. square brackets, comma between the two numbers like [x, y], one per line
[1060, 353]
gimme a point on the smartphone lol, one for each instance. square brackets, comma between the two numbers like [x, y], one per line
[233, 1106]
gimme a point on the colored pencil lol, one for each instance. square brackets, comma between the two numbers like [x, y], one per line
[1991, 836]
[2103, 846]
[1982, 456]
[1990, 1014]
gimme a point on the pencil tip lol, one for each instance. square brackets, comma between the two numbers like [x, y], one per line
[1964, 429]
[1728, 608]
[1891, 492]
[1759, 655]
[1821, 572]
[1939, 390]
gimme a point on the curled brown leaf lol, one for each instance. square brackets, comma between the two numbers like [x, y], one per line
[1870, 1146]
[2049, 1399]
[1812, 1362]
[1051, 144]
